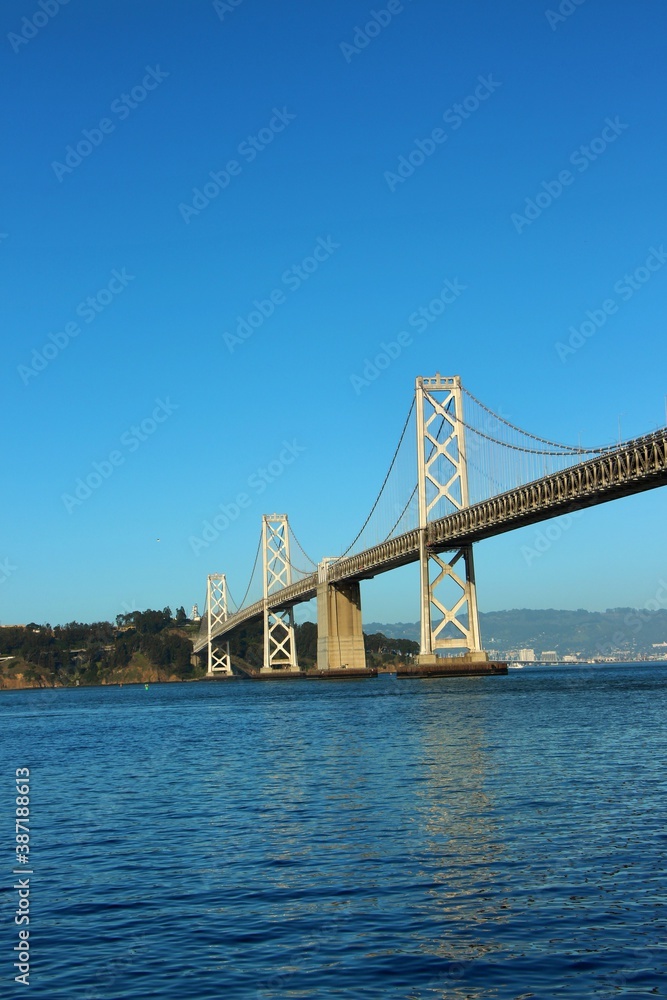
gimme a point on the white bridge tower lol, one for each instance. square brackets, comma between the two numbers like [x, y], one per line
[449, 617]
[279, 640]
[219, 660]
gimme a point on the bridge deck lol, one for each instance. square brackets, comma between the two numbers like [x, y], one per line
[637, 465]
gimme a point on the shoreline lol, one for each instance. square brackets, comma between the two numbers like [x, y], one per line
[493, 668]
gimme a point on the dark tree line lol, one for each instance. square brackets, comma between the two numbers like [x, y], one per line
[378, 644]
[78, 653]
[248, 644]
[87, 653]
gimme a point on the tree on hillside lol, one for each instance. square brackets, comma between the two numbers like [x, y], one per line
[306, 643]
[146, 622]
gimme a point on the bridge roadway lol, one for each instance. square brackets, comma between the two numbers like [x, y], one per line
[637, 465]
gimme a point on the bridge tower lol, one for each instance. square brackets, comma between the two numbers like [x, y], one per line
[279, 640]
[219, 660]
[447, 579]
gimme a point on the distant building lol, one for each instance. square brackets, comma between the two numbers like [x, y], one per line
[194, 614]
[527, 655]
[549, 656]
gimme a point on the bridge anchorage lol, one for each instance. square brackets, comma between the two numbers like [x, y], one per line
[477, 476]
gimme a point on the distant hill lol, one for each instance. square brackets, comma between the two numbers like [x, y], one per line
[395, 630]
[586, 633]
[156, 646]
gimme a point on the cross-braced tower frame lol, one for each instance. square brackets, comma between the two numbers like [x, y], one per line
[442, 479]
[279, 640]
[219, 660]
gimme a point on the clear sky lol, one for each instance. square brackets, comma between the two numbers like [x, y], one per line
[168, 162]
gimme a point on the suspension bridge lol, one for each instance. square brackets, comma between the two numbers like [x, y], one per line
[478, 475]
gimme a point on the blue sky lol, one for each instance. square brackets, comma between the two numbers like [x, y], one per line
[123, 289]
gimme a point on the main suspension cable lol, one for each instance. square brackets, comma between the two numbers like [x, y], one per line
[411, 497]
[303, 551]
[536, 451]
[377, 500]
[553, 444]
[252, 574]
[229, 595]
[400, 517]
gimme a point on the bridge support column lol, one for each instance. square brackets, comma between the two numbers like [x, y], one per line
[279, 640]
[219, 660]
[449, 622]
[340, 637]
[448, 594]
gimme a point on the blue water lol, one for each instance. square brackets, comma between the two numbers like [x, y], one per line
[499, 837]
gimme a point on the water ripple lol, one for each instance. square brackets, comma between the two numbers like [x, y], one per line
[469, 839]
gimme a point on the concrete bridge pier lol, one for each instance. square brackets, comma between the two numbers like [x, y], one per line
[340, 637]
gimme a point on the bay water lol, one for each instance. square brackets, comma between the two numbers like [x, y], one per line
[493, 837]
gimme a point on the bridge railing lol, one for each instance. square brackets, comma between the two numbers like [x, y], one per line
[628, 470]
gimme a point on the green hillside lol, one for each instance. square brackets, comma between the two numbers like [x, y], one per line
[630, 631]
